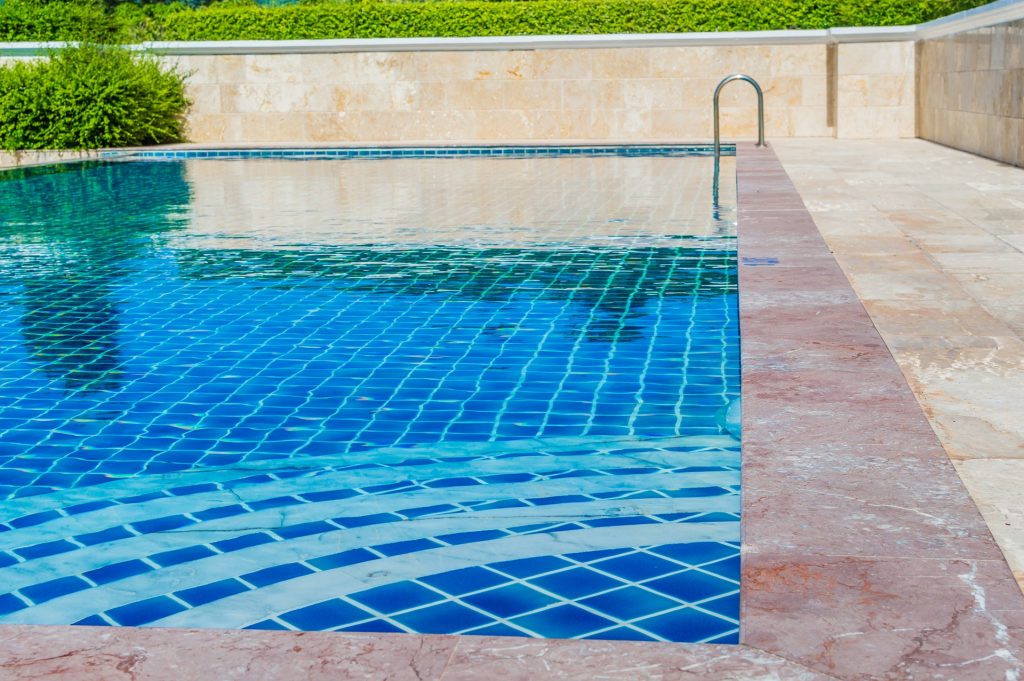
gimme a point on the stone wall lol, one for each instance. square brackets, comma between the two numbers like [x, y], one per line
[875, 90]
[971, 91]
[629, 94]
[624, 94]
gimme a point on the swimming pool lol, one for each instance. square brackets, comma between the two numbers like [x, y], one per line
[456, 392]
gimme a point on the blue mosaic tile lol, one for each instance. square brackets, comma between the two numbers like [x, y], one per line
[34, 519]
[305, 529]
[414, 425]
[495, 630]
[507, 601]
[467, 580]
[362, 521]
[275, 574]
[527, 567]
[211, 592]
[726, 606]
[565, 621]
[471, 537]
[116, 571]
[327, 615]
[278, 502]
[144, 612]
[576, 583]
[396, 597]
[268, 625]
[686, 624]
[729, 637]
[46, 549]
[636, 567]
[10, 603]
[55, 588]
[410, 546]
[88, 507]
[375, 626]
[184, 555]
[342, 559]
[592, 556]
[444, 618]
[698, 553]
[628, 603]
[220, 512]
[243, 542]
[692, 585]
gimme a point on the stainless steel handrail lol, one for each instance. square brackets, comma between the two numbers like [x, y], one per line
[718, 136]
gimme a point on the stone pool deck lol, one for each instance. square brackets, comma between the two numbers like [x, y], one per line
[865, 556]
[932, 240]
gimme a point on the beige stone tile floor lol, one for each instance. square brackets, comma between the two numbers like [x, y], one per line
[932, 240]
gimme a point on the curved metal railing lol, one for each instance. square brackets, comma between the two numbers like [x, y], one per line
[760, 119]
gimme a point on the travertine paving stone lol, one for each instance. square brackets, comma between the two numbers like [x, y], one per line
[999, 502]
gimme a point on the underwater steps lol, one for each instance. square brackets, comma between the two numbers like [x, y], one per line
[568, 537]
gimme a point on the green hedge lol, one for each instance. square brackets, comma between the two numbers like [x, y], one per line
[90, 97]
[23, 20]
[538, 17]
[312, 19]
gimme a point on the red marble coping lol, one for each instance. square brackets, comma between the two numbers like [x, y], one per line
[864, 556]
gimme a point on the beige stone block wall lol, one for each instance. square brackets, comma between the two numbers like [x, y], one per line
[971, 91]
[629, 94]
[874, 85]
[648, 94]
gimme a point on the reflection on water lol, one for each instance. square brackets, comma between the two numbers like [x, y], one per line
[70, 328]
[612, 284]
[165, 315]
[567, 200]
[67, 231]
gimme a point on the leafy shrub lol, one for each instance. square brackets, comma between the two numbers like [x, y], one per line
[27, 20]
[133, 20]
[130, 20]
[89, 97]
[376, 19]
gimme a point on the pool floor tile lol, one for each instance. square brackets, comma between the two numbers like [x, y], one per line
[235, 395]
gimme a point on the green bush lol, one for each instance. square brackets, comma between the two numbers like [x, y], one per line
[134, 20]
[90, 97]
[31, 20]
[376, 19]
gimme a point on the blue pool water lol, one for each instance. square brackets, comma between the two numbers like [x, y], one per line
[435, 395]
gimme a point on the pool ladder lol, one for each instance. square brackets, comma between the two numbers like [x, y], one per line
[718, 137]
